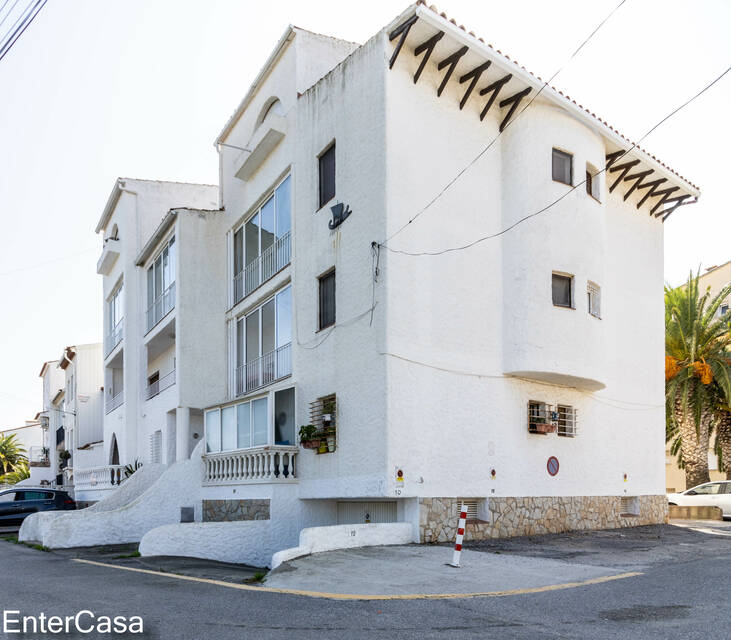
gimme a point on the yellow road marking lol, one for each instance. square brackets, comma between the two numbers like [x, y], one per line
[355, 596]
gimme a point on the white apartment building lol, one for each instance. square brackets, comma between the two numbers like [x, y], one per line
[51, 417]
[157, 344]
[343, 284]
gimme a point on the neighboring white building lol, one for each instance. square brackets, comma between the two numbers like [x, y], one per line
[34, 438]
[158, 354]
[51, 417]
[522, 373]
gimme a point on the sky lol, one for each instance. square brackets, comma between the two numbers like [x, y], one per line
[97, 89]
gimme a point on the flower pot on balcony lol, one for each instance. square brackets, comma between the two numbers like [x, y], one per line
[311, 444]
[323, 447]
[542, 427]
[331, 443]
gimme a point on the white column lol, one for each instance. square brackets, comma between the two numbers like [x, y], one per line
[182, 433]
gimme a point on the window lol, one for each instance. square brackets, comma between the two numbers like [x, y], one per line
[238, 426]
[705, 489]
[161, 285]
[566, 421]
[327, 175]
[8, 497]
[592, 182]
[561, 286]
[327, 300]
[261, 245]
[562, 167]
[156, 447]
[594, 299]
[116, 311]
[153, 379]
[263, 343]
[284, 417]
[724, 309]
[539, 417]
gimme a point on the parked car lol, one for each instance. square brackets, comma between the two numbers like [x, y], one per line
[18, 504]
[709, 494]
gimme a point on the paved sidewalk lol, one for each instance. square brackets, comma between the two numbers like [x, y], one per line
[413, 570]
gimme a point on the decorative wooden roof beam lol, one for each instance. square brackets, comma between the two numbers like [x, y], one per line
[451, 62]
[475, 76]
[638, 178]
[403, 31]
[513, 101]
[428, 46]
[680, 203]
[664, 193]
[611, 158]
[624, 168]
[493, 88]
[652, 186]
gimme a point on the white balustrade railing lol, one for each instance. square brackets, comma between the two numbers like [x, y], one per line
[271, 463]
[161, 306]
[168, 380]
[106, 477]
[272, 260]
[114, 402]
[265, 370]
[115, 337]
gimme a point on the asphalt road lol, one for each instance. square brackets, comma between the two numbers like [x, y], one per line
[684, 592]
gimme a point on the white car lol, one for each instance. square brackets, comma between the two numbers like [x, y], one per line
[709, 494]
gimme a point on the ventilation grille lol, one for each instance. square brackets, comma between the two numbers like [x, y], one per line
[471, 504]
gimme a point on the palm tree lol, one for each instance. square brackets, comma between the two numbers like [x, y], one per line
[21, 472]
[12, 454]
[697, 372]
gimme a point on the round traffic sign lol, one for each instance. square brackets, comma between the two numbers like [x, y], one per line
[552, 465]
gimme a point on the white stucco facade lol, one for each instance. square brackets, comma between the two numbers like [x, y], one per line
[450, 360]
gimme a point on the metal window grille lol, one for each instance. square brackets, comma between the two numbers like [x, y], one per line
[156, 447]
[471, 504]
[567, 426]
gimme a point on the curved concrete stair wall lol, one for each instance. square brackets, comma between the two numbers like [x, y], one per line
[179, 486]
[34, 525]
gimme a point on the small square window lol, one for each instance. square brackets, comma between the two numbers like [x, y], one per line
[327, 300]
[594, 299]
[724, 309]
[561, 167]
[561, 286]
[327, 175]
[592, 182]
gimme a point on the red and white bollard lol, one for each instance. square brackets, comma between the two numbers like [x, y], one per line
[460, 536]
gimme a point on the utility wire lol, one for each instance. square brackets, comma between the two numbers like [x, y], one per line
[492, 142]
[42, 264]
[27, 18]
[8, 13]
[571, 190]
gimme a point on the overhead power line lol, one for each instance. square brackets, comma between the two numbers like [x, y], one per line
[557, 200]
[21, 24]
[492, 142]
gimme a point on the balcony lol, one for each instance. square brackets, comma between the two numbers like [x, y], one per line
[163, 305]
[38, 457]
[265, 370]
[106, 477]
[272, 463]
[114, 337]
[157, 387]
[109, 256]
[114, 402]
[265, 266]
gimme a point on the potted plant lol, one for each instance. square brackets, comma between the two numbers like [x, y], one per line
[322, 448]
[64, 455]
[331, 442]
[308, 436]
